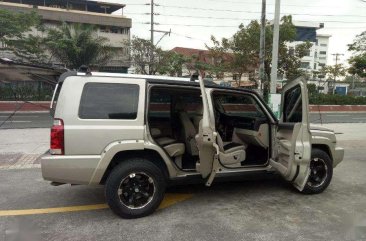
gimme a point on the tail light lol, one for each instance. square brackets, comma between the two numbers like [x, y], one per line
[57, 138]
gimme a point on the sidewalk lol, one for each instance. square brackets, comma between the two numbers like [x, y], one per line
[21, 148]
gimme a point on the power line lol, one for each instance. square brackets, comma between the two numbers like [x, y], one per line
[243, 11]
[192, 16]
[228, 26]
[258, 3]
[188, 37]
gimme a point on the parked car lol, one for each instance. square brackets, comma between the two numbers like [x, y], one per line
[134, 134]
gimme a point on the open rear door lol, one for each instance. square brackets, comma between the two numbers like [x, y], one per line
[206, 139]
[293, 137]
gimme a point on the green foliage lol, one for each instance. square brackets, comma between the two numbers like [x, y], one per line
[13, 25]
[15, 33]
[145, 55]
[334, 71]
[171, 63]
[358, 60]
[78, 44]
[245, 48]
[325, 99]
[312, 90]
[358, 65]
[29, 91]
[30, 48]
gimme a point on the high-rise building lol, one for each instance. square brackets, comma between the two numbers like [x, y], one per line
[115, 27]
[317, 55]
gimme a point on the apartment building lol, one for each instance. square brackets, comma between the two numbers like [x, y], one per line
[317, 56]
[115, 27]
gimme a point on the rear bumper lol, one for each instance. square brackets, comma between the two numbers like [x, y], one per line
[338, 156]
[69, 169]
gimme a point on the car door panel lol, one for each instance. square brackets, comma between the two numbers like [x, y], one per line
[293, 138]
[206, 138]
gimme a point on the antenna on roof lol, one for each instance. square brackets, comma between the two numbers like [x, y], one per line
[84, 69]
[194, 77]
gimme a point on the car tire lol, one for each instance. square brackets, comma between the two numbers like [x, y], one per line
[321, 172]
[135, 188]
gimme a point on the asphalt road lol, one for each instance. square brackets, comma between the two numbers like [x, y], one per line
[43, 120]
[262, 208]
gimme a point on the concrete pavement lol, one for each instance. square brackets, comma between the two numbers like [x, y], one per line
[260, 208]
[21, 148]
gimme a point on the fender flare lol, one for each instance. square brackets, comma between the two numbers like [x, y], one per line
[128, 145]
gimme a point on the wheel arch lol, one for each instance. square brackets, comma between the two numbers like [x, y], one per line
[148, 154]
[324, 148]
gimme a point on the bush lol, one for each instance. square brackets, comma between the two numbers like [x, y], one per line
[325, 99]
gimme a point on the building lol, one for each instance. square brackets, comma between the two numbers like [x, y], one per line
[114, 27]
[204, 56]
[317, 56]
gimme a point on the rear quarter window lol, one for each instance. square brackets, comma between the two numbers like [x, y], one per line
[109, 101]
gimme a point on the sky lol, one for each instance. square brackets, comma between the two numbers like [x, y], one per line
[343, 19]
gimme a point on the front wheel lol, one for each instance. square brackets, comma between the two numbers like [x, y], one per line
[321, 172]
[135, 188]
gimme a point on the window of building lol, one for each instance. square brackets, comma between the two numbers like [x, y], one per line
[315, 54]
[3, 44]
[323, 52]
[304, 65]
[323, 45]
[314, 65]
[321, 65]
[109, 101]
[323, 58]
[307, 52]
[291, 50]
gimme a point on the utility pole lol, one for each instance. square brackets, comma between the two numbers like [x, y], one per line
[276, 34]
[151, 37]
[335, 69]
[152, 22]
[262, 76]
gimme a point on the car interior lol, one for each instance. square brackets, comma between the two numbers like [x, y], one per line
[174, 117]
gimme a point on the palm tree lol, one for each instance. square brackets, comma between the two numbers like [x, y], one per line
[78, 44]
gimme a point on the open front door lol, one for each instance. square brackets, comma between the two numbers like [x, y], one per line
[206, 139]
[293, 137]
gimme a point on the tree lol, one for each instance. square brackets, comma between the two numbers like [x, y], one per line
[358, 60]
[172, 63]
[244, 45]
[78, 44]
[150, 59]
[334, 71]
[145, 55]
[15, 35]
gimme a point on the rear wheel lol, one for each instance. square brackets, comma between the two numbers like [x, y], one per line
[321, 172]
[135, 188]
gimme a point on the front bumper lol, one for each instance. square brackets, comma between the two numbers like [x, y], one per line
[338, 156]
[69, 169]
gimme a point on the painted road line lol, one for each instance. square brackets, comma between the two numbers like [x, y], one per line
[19, 116]
[169, 200]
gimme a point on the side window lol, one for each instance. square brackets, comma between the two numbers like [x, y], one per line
[191, 103]
[160, 104]
[109, 101]
[239, 105]
[293, 105]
